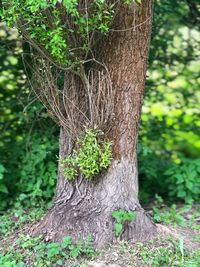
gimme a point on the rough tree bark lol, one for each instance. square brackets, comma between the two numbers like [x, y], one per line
[84, 207]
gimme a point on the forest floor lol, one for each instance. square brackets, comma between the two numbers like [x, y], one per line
[179, 246]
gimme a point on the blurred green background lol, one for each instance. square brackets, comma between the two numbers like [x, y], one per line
[169, 141]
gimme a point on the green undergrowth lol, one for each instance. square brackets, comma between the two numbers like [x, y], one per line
[159, 252]
[27, 251]
[176, 215]
[18, 248]
[34, 251]
[17, 218]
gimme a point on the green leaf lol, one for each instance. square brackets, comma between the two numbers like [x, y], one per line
[181, 194]
[59, 262]
[129, 216]
[117, 215]
[3, 189]
[118, 228]
[2, 170]
[67, 241]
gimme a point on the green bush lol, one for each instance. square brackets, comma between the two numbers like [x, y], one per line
[29, 139]
[183, 180]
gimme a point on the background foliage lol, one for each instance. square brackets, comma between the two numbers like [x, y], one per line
[169, 144]
[27, 143]
[169, 138]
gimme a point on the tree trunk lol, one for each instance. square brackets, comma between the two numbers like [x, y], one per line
[84, 207]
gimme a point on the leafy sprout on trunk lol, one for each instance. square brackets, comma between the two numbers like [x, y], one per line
[91, 157]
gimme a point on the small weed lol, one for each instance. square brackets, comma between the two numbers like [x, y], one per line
[121, 216]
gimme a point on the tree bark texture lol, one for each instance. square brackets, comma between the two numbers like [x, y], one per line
[84, 207]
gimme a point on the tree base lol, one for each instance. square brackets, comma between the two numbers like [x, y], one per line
[87, 209]
[56, 225]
